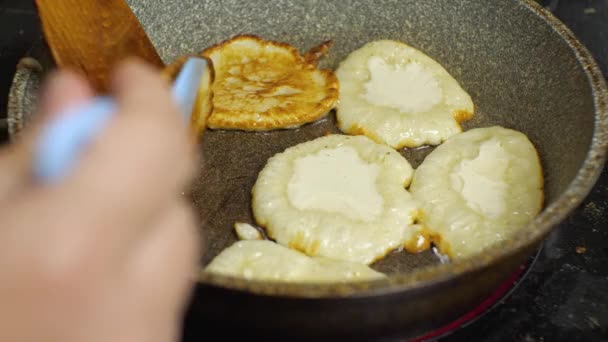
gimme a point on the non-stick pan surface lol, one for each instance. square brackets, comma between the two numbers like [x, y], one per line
[523, 69]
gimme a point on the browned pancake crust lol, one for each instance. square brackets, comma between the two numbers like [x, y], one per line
[263, 85]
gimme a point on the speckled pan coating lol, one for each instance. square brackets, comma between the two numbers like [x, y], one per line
[522, 67]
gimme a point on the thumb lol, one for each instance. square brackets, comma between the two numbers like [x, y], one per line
[62, 90]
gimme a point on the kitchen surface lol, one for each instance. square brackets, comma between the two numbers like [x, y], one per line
[561, 294]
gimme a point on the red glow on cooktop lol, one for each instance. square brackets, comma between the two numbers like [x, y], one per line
[470, 316]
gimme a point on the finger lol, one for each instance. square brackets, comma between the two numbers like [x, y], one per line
[62, 90]
[139, 163]
[163, 267]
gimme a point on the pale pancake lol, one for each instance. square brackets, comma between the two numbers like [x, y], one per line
[342, 197]
[396, 95]
[479, 188]
[266, 260]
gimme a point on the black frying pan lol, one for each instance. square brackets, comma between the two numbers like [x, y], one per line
[523, 69]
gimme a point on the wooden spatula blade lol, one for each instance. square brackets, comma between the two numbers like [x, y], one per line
[91, 36]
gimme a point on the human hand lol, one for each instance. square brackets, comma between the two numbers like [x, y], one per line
[111, 251]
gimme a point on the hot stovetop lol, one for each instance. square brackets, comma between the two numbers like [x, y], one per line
[560, 295]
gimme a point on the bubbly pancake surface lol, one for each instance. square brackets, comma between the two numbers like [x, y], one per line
[479, 188]
[263, 85]
[266, 260]
[397, 95]
[342, 197]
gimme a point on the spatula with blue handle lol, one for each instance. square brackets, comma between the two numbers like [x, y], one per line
[65, 138]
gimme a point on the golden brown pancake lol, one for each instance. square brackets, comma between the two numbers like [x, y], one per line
[263, 85]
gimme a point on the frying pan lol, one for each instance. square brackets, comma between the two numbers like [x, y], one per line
[524, 70]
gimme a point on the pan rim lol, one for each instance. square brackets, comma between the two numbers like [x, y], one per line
[439, 275]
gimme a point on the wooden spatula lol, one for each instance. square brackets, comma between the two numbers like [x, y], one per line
[91, 36]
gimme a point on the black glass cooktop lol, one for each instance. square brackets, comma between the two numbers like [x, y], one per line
[564, 294]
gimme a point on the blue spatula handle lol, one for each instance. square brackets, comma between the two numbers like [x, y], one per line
[63, 140]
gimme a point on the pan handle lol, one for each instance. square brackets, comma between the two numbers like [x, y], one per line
[27, 78]
[3, 129]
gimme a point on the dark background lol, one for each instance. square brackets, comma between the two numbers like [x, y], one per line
[564, 297]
